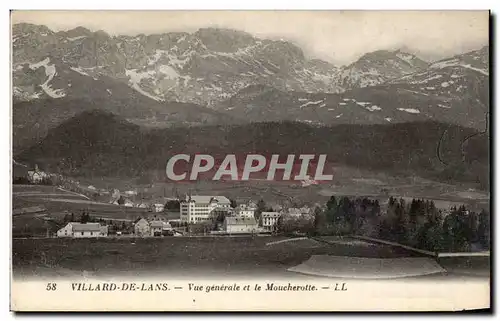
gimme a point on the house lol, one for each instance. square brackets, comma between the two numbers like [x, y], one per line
[269, 220]
[130, 193]
[157, 207]
[195, 209]
[234, 225]
[141, 205]
[296, 213]
[155, 227]
[128, 203]
[158, 228]
[244, 210]
[141, 227]
[120, 199]
[36, 175]
[83, 230]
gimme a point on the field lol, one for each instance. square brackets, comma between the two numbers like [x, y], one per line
[57, 204]
[182, 256]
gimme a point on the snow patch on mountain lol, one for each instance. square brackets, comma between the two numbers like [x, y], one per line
[50, 72]
[406, 57]
[457, 63]
[311, 103]
[484, 72]
[169, 72]
[416, 92]
[157, 55]
[136, 78]
[410, 110]
[76, 38]
[24, 95]
[373, 108]
[79, 70]
[425, 80]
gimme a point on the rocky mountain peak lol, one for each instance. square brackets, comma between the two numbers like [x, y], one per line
[224, 40]
[379, 66]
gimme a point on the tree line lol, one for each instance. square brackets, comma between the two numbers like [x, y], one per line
[417, 223]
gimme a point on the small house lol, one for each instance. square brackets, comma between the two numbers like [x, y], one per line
[157, 207]
[157, 227]
[141, 227]
[83, 230]
[36, 176]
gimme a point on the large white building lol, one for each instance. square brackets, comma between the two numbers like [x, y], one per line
[269, 220]
[83, 230]
[196, 209]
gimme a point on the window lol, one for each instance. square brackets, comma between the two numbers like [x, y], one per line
[91, 233]
[82, 233]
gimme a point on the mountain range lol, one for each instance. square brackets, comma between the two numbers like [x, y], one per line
[220, 77]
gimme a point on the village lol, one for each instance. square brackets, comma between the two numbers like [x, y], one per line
[189, 215]
[198, 215]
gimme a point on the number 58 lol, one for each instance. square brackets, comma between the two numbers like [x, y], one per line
[51, 286]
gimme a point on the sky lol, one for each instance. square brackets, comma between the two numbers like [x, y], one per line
[339, 37]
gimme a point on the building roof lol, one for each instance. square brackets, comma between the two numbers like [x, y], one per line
[160, 224]
[271, 214]
[244, 207]
[86, 227]
[208, 199]
[240, 221]
[157, 224]
[137, 220]
[298, 211]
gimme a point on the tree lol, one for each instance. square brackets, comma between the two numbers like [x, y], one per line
[483, 231]
[455, 231]
[331, 210]
[85, 217]
[279, 227]
[233, 203]
[261, 207]
[173, 205]
[318, 220]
